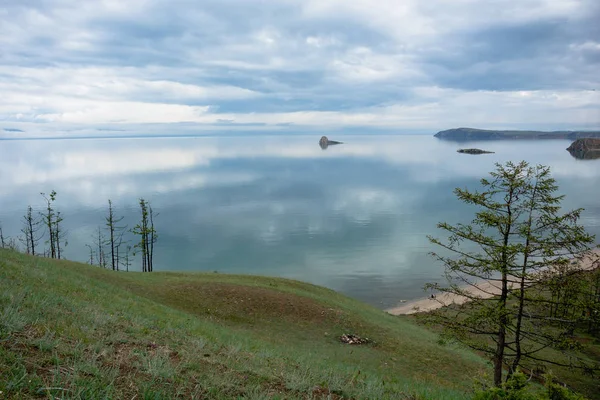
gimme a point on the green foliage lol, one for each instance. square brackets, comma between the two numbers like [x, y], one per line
[517, 387]
[516, 250]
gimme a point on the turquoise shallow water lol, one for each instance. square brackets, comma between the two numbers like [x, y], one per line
[353, 217]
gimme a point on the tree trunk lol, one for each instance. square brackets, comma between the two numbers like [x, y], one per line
[526, 253]
[57, 233]
[499, 355]
[112, 234]
[151, 239]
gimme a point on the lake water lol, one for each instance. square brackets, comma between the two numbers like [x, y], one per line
[353, 217]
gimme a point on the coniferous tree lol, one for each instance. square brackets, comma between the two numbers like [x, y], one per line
[59, 235]
[152, 239]
[115, 235]
[48, 221]
[51, 220]
[2, 241]
[141, 229]
[30, 230]
[501, 262]
[7, 242]
[91, 262]
[127, 261]
[591, 302]
[100, 243]
[147, 234]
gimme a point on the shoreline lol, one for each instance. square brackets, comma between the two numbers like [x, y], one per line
[485, 289]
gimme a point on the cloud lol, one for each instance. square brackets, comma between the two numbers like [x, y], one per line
[307, 63]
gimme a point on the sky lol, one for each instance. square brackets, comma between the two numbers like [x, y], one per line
[107, 67]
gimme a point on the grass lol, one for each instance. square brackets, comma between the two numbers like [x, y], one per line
[73, 331]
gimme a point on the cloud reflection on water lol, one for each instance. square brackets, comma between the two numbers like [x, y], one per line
[354, 214]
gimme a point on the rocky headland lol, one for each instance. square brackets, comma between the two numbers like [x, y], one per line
[466, 134]
[585, 149]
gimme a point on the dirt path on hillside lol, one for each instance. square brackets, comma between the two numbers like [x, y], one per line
[485, 289]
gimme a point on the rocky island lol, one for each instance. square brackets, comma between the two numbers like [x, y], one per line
[474, 151]
[324, 142]
[585, 149]
[472, 134]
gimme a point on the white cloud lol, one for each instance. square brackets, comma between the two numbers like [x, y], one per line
[97, 95]
[432, 108]
[414, 20]
[87, 112]
[328, 63]
[590, 46]
[322, 41]
[362, 65]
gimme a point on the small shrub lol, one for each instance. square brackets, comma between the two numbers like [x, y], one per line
[518, 388]
[514, 388]
[555, 391]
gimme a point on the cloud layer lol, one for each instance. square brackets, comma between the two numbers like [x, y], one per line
[293, 64]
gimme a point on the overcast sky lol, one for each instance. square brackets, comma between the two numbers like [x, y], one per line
[288, 65]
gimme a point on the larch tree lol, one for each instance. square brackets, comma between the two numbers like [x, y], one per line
[7, 242]
[502, 263]
[153, 237]
[91, 249]
[126, 259]
[147, 234]
[99, 244]
[51, 220]
[591, 301]
[48, 217]
[59, 235]
[2, 241]
[115, 235]
[30, 230]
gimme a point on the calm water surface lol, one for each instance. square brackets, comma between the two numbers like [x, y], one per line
[353, 217]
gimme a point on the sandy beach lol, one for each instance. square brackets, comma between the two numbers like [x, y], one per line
[485, 289]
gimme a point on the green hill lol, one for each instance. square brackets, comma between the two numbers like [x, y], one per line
[69, 330]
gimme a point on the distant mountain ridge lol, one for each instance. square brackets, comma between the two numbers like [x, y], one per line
[461, 134]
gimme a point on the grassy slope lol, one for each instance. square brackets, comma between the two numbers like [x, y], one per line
[74, 331]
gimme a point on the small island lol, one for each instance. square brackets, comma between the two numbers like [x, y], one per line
[324, 142]
[585, 149]
[472, 134]
[474, 151]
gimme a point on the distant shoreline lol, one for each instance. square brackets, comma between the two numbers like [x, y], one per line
[472, 134]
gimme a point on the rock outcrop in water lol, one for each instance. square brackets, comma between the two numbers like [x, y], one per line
[474, 151]
[324, 142]
[585, 149]
[465, 134]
